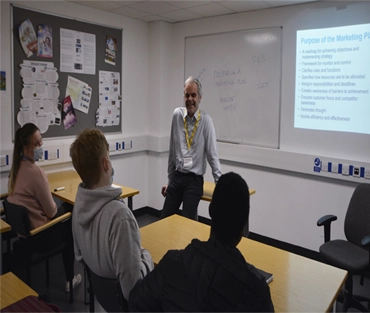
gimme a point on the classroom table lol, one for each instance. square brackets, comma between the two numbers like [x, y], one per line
[13, 289]
[4, 227]
[70, 180]
[209, 187]
[299, 285]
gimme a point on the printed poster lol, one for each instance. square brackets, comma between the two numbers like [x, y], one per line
[45, 41]
[108, 113]
[110, 50]
[80, 94]
[28, 38]
[77, 52]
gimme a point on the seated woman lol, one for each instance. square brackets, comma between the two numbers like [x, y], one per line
[28, 186]
[106, 233]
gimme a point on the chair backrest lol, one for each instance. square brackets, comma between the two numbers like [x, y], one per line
[108, 292]
[357, 221]
[17, 217]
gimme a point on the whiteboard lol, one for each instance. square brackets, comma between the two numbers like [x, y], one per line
[241, 77]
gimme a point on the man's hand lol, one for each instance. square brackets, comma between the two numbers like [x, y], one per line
[164, 190]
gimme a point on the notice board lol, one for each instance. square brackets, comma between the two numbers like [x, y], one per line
[100, 32]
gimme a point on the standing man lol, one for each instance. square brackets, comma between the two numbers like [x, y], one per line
[192, 142]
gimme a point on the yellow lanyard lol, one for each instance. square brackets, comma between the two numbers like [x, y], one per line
[189, 141]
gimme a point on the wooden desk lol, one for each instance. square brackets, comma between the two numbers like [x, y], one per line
[13, 289]
[70, 180]
[4, 227]
[2, 196]
[300, 284]
[209, 187]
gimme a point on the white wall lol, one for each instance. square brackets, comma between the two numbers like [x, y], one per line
[288, 201]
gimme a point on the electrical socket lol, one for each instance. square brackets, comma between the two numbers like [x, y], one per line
[4, 160]
[324, 166]
[345, 169]
[52, 154]
[367, 173]
[356, 172]
[334, 167]
[112, 146]
[127, 144]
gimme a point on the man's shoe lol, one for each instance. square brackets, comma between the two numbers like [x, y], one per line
[76, 281]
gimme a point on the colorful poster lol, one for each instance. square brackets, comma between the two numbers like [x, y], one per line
[2, 80]
[28, 38]
[45, 41]
[68, 113]
[110, 50]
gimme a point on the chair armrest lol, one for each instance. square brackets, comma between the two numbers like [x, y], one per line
[366, 241]
[326, 221]
[59, 219]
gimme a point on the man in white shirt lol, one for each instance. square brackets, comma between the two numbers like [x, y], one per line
[192, 144]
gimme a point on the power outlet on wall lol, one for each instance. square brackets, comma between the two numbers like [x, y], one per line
[4, 160]
[367, 173]
[334, 167]
[112, 146]
[356, 171]
[324, 166]
[52, 154]
[345, 169]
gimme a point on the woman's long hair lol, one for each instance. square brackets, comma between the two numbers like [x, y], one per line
[22, 139]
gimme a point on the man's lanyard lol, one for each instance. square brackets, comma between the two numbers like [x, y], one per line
[189, 141]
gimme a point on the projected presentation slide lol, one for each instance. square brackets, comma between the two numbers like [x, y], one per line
[333, 79]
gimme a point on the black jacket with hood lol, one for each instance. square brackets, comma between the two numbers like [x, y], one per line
[206, 276]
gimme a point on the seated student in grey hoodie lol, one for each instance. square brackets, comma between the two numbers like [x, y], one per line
[106, 234]
[209, 276]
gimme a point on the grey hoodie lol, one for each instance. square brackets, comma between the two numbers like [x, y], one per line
[107, 237]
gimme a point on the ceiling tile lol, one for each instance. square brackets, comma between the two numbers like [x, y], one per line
[155, 18]
[130, 12]
[154, 7]
[126, 3]
[242, 6]
[181, 15]
[187, 4]
[100, 5]
[276, 3]
[212, 9]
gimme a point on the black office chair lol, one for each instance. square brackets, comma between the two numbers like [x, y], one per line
[40, 244]
[352, 255]
[107, 291]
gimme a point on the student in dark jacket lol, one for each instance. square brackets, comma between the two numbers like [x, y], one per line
[212, 275]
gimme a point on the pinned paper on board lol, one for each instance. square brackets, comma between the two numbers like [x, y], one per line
[28, 38]
[80, 94]
[2, 80]
[110, 50]
[68, 113]
[108, 113]
[40, 93]
[45, 41]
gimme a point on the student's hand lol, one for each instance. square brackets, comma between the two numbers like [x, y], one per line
[164, 190]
